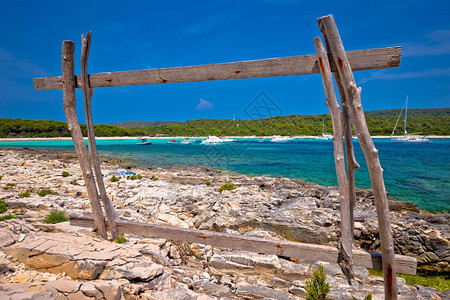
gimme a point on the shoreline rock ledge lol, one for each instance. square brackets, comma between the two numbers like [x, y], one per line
[60, 261]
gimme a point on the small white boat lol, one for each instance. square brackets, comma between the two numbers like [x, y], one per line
[407, 138]
[280, 139]
[261, 140]
[172, 142]
[187, 142]
[144, 142]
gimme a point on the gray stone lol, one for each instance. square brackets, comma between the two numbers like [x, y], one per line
[298, 291]
[211, 288]
[260, 292]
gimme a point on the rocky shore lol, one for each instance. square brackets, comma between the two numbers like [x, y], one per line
[43, 261]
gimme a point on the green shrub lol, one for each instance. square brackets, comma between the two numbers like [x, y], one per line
[114, 178]
[25, 194]
[121, 239]
[46, 192]
[368, 296]
[227, 187]
[139, 176]
[155, 178]
[317, 288]
[56, 216]
[1, 176]
[439, 282]
[66, 174]
[74, 182]
[207, 182]
[44, 168]
[3, 206]
[132, 177]
[9, 186]
[7, 217]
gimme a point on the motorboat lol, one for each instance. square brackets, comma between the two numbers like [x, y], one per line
[407, 138]
[144, 142]
[280, 139]
[172, 142]
[212, 140]
[187, 141]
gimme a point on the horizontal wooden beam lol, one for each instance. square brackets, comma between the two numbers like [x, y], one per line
[313, 252]
[380, 58]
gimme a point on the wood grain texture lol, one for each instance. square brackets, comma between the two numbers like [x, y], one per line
[70, 103]
[352, 92]
[346, 238]
[311, 252]
[368, 59]
[93, 154]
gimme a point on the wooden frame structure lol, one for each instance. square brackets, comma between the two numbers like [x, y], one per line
[336, 61]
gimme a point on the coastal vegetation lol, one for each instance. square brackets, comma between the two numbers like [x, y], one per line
[3, 206]
[56, 216]
[437, 280]
[317, 288]
[424, 121]
[25, 194]
[120, 239]
[227, 187]
[46, 192]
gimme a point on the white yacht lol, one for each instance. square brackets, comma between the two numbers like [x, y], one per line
[212, 140]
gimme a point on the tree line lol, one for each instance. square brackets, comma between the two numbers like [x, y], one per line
[380, 123]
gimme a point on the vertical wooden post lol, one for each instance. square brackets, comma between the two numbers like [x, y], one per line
[352, 164]
[93, 154]
[345, 259]
[69, 100]
[353, 95]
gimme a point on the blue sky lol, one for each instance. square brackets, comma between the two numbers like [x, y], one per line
[137, 35]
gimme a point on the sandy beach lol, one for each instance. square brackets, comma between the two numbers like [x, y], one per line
[184, 137]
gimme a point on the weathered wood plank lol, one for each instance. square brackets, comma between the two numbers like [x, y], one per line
[312, 252]
[367, 59]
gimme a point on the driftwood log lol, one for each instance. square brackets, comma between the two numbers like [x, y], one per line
[93, 154]
[353, 95]
[339, 160]
[70, 102]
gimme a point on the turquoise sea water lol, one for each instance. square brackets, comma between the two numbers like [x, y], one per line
[419, 173]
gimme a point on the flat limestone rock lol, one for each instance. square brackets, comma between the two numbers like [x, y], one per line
[63, 289]
[83, 257]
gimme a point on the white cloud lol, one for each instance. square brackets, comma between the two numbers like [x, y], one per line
[204, 105]
[383, 75]
[434, 43]
[14, 67]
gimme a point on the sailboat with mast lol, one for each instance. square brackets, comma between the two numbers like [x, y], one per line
[325, 136]
[407, 138]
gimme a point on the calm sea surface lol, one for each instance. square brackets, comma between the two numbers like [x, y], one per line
[419, 173]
